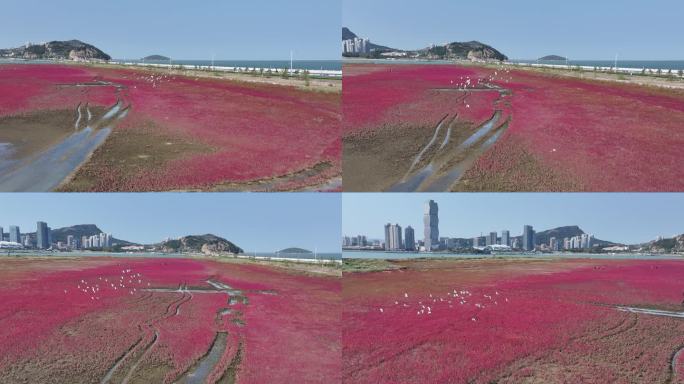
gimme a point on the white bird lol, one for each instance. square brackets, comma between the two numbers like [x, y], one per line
[381, 311]
[405, 294]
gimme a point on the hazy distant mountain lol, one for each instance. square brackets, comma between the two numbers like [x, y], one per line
[552, 58]
[347, 34]
[156, 58]
[64, 50]
[207, 244]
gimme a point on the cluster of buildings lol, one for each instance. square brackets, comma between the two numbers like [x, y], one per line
[398, 239]
[42, 239]
[15, 240]
[584, 241]
[355, 46]
[102, 240]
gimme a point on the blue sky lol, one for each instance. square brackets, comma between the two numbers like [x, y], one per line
[256, 222]
[628, 218]
[527, 29]
[181, 29]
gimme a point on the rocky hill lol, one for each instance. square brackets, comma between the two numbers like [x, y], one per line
[671, 245]
[207, 244]
[471, 50]
[56, 50]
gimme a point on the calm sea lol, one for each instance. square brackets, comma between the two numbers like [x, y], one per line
[330, 65]
[637, 64]
[409, 255]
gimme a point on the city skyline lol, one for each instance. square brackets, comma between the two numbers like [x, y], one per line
[254, 222]
[622, 218]
[265, 30]
[527, 29]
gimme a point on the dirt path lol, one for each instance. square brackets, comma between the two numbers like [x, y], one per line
[45, 170]
[205, 365]
[411, 159]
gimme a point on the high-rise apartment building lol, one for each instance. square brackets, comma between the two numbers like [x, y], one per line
[431, 222]
[528, 238]
[42, 235]
[505, 237]
[409, 239]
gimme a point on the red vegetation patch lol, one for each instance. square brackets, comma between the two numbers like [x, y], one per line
[63, 320]
[598, 136]
[254, 131]
[506, 321]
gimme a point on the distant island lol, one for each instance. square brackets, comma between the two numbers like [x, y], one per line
[355, 46]
[295, 251]
[552, 58]
[56, 50]
[156, 58]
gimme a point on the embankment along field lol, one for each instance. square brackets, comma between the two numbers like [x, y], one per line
[468, 128]
[515, 321]
[166, 321]
[162, 131]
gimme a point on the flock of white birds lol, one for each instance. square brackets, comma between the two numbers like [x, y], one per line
[466, 82]
[154, 79]
[456, 299]
[128, 282]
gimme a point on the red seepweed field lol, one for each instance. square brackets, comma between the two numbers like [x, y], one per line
[180, 132]
[556, 133]
[166, 321]
[515, 321]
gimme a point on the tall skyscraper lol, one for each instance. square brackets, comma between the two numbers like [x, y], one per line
[409, 239]
[431, 221]
[14, 234]
[42, 236]
[505, 237]
[395, 243]
[528, 238]
[2, 235]
[491, 239]
[387, 236]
